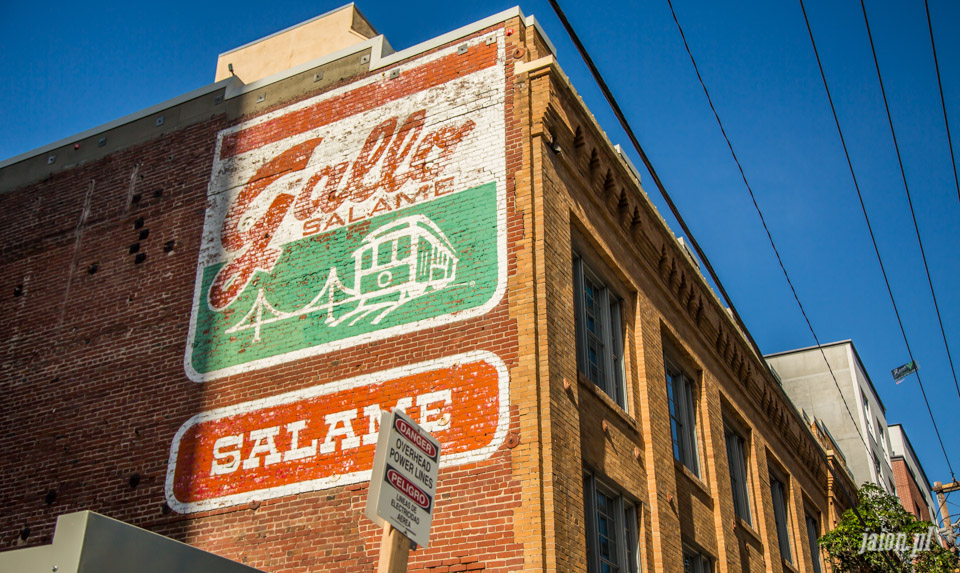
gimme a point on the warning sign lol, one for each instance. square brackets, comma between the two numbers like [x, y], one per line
[404, 481]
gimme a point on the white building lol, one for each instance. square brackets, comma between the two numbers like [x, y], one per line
[854, 413]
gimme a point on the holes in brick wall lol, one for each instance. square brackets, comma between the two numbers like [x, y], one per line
[134, 248]
[93, 268]
[144, 233]
[140, 258]
[134, 481]
[136, 199]
[24, 533]
[50, 497]
[138, 223]
[168, 246]
[165, 509]
[578, 138]
[18, 291]
[158, 193]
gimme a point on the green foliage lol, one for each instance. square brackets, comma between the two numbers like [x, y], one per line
[882, 513]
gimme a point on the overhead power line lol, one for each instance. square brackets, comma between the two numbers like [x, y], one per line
[863, 207]
[923, 255]
[608, 95]
[946, 122]
[763, 220]
[626, 127]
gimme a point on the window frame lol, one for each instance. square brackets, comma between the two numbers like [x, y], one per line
[611, 370]
[867, 415]
[624, 514]
[813, 544]
[782, 522]
[682, 410]
[742, 503]
[702, 563]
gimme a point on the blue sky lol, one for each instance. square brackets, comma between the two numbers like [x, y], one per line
[67, 67]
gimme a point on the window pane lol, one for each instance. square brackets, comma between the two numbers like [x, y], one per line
[630, 536]
[695, 562]
[813, 530]
[690, 426]
[599, 332]
[736, 460]
[616, 355]
[612, 543]
[607, 533]
[683, 427]
[676, 427]
[778, 492]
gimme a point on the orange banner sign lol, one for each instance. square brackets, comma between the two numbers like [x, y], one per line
[324, 436]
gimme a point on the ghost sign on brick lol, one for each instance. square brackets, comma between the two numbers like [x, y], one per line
[403, 486]
[325, 436]
[373, 210]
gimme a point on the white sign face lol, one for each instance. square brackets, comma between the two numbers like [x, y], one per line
[403, 486]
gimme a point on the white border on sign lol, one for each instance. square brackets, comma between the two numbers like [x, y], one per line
[480, 454]
[501, 183]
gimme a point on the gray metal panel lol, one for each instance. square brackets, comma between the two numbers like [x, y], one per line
[114, 546]
[87, 542]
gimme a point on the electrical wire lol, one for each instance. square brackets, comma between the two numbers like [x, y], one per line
[626, 127]
[923, 255]
[946, 124]
[943, 104]
[863, 206]
[763, 220]
[608, 95]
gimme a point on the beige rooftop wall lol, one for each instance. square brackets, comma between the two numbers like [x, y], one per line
[325, 34]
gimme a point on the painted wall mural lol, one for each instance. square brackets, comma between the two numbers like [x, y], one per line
[370, 211]
[325, 436]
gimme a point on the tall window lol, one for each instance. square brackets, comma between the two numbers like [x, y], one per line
[781, 515]
[813, 532]
[737, 461]
[612, 545]
[683, 419]
[866, 409]
[695, 562]
[599, 329]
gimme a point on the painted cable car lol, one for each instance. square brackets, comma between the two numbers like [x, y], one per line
[404, 259]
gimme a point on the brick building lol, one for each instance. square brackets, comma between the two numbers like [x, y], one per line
[208, 304]
[913, 487]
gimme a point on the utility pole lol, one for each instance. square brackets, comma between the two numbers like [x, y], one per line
[942, 489]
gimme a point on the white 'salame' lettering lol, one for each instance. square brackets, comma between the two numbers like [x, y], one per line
[292, 442]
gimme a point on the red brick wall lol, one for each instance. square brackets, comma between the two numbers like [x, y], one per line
[95, 388]
[909, 493]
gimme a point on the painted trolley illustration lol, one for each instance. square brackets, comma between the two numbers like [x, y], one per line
[396, 263]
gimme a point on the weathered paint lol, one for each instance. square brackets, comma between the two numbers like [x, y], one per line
[312, 209]
[324, 436]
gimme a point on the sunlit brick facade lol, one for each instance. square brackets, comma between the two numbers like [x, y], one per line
[208, 305]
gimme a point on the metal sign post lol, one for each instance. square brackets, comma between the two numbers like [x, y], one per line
[403, 487]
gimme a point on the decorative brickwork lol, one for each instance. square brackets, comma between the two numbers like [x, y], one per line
[201, 328]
